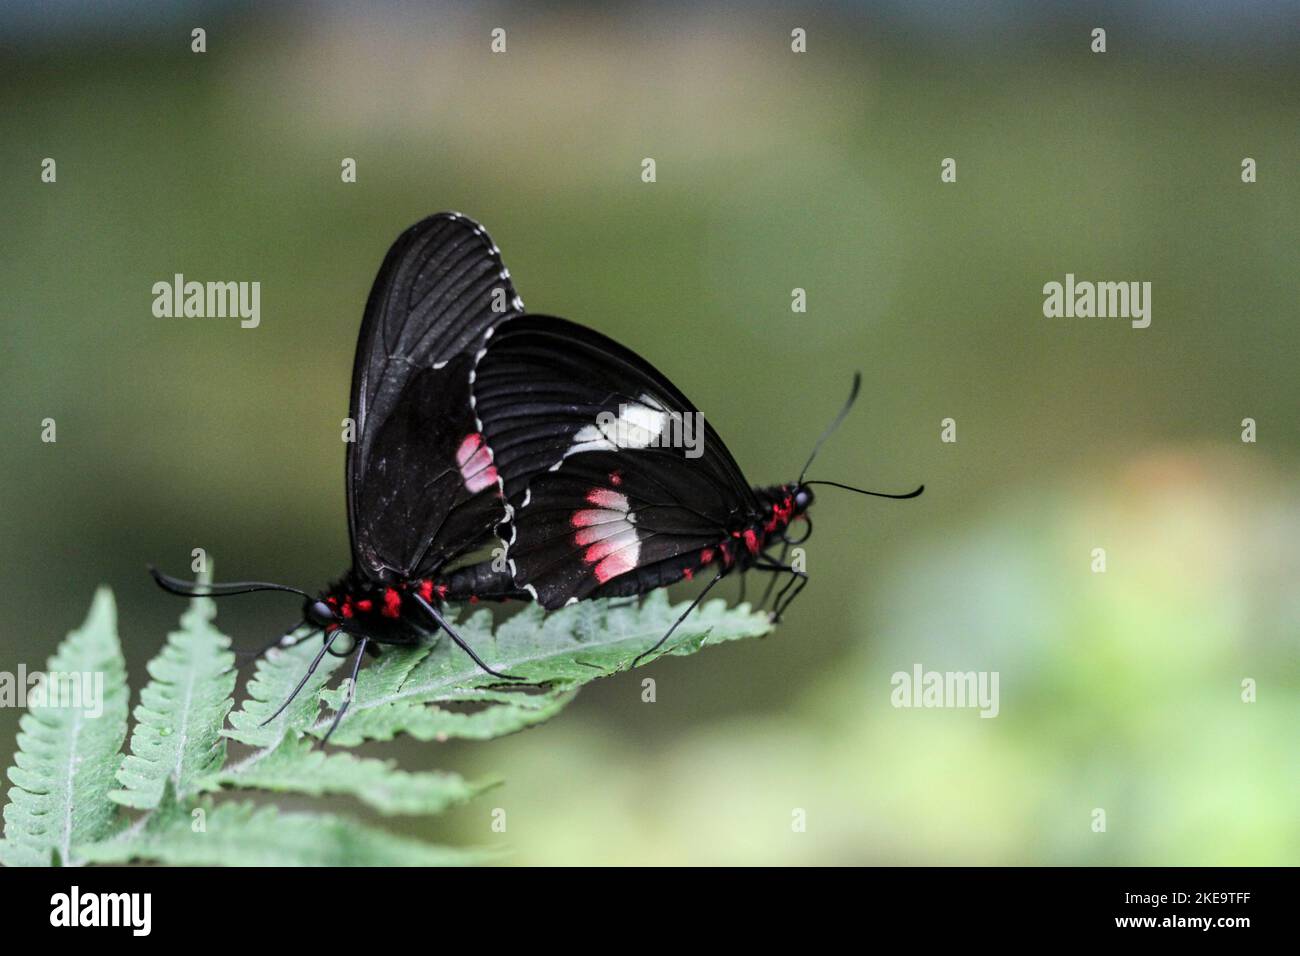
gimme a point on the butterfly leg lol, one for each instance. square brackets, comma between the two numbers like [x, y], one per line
[352, 692]
[780, 608]
[771, 583]
[797, 577]
[460, 641]
[694, 604]
[305, 677]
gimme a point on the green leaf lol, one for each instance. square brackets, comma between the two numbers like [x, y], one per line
[177, 735]
[241, 834]
[68, 755]
[294, 767]
[278, 672]
[442, 694]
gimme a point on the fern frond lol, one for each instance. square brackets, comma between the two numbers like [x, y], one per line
[68, 749]
[278, 672]
[241, 834]
[177, 734]
[556, 652]
[295, 767]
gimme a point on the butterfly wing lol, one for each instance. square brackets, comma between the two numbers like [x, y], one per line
[587, 439]
[420, 492]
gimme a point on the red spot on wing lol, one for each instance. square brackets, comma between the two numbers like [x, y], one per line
[426, 590]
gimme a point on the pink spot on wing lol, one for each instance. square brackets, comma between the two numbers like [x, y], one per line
[604, 498]
[590, 516]
[618, 563]
[475, 462]
[607, 546]
[596, 531]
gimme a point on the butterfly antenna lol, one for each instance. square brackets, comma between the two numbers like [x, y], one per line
[863, 491]
[853, 396]
[198, 589]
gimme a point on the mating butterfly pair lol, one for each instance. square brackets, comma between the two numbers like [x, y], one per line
[476, 421]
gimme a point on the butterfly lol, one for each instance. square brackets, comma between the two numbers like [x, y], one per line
[422, 490]
[587, 439]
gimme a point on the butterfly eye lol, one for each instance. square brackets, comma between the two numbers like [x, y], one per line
[319, 613]
[802, 499]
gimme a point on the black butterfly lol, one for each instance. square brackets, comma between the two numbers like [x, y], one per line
[422, 491]
[601, 504]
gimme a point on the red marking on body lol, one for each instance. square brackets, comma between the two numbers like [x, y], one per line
[426, 590]
[392, 603]
[442, 590]
[347, 609]
[365, 605]
[475, 463]
[332, 601]
[751, 540]
[331, 628]
[781, 515]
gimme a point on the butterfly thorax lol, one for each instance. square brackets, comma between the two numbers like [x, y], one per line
[389, 611]
[385, 612]
[779, 506]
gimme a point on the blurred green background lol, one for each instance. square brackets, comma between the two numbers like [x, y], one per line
[1119, 691]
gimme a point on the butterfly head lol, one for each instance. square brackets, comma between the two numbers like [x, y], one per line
[320, 614]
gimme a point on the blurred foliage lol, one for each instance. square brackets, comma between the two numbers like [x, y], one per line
[775, 171]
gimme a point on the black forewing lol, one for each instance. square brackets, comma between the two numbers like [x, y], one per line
[539, 389]
[441, 289]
